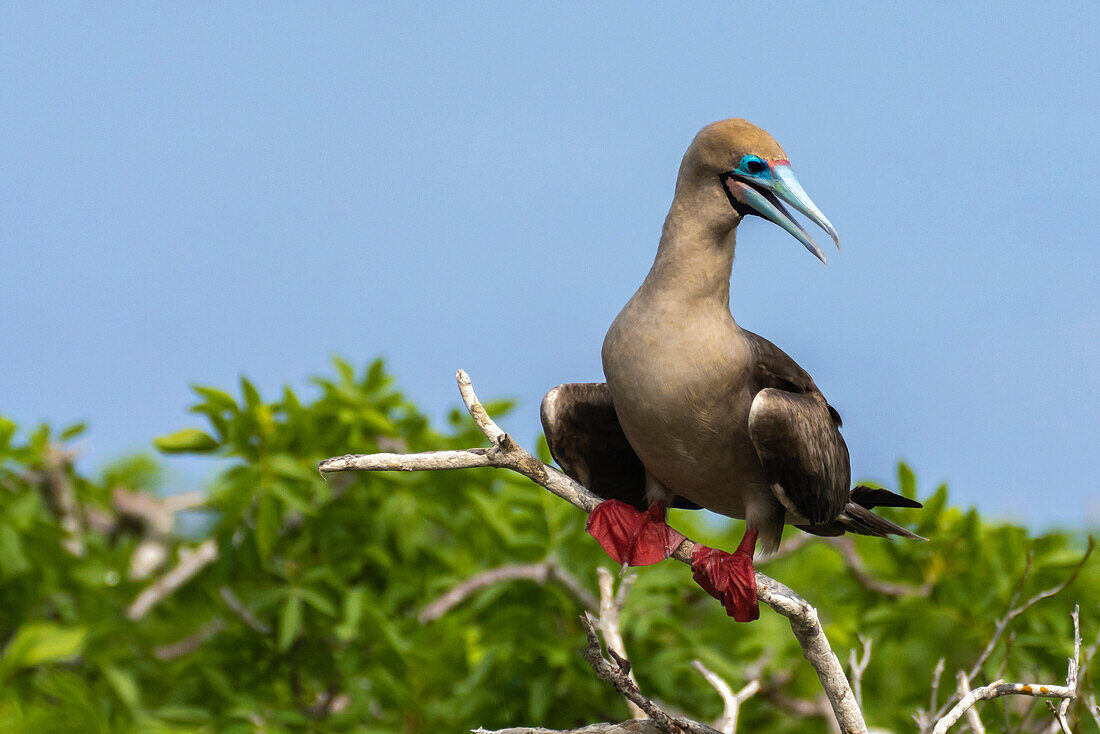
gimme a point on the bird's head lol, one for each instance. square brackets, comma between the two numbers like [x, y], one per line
[738, 163]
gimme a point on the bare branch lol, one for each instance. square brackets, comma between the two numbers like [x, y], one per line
[1002, 624]
[972, 717]
[858, 667]
[996, 690]
[153, 514]
[1073, 671]
[487, 425]
[999, 688]
[242, 611]
[58, 488]
[1094, 709]
[189, 643]
[611, 603]
[540, 573]
[618, 675]
[507, 454]
[937, 672]
[190, 563]
[634, 726]
[1016, 611]
[847, 549]
[731, 701]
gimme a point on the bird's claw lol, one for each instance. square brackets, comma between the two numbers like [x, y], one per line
[728, 577]
[631, 537]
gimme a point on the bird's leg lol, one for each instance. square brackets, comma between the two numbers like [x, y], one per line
[729, 577]
[632, 537]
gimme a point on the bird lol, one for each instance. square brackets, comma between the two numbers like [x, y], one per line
[698, 412]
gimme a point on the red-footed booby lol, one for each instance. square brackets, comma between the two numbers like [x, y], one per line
[698, 412]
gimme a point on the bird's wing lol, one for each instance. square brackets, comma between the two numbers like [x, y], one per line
[585, 438]
[797, 437]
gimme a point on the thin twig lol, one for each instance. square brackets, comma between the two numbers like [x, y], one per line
[190, 643]
[847, 549]
[540, 573]
[1094, 709]
[507, 454]
[242, 611]
[999, 688]
[1073, 671]
[58, 486]
[190, 563]
[937, 672]
[611, 604]
[1013, 612]
[618, 675]
[644, 726]
[858, 667]
[972, 717]
[731, 701]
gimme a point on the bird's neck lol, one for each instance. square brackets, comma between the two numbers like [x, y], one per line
[695, 257]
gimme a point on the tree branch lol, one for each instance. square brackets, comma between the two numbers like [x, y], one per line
[847, 549]
[190, 563]
[1002, 625]
[731, 701]
[505, 453]
[859, 667]
[540, 573]
[999, 688]
[611, 604]
[618, 675]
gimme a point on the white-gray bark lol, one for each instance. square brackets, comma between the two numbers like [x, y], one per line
[504, 453]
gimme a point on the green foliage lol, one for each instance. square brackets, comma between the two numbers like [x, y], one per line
[333, 576]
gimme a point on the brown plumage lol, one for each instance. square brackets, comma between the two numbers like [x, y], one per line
[695, 408]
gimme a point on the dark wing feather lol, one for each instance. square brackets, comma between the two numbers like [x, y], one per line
[584, 436]
[802, 452]
[797, 437]
[870, 497]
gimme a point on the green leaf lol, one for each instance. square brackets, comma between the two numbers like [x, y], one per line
[907, 481]
[268, 519]
[353, 614]
[189, 440]
[124, 685]
[290, 621]
[317, 601]
[218, 400]
[7, 430]
[36, 643]
[13, 561]
[73, 431]
[251, 394]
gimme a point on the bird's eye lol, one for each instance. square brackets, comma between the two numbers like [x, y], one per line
[753, 165]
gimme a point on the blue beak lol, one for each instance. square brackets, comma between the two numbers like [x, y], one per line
[765, 193]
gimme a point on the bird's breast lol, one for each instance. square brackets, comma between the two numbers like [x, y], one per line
[679, 379]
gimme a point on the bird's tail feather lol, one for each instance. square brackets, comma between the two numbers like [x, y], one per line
[857, 518]
[869, 497]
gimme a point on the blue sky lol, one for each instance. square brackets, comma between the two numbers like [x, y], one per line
[190, 192]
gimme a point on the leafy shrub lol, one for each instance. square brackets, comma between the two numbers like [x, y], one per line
[307, 619]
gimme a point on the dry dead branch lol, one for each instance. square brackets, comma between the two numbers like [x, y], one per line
[541, 573]
[189, 565]
[611, 605]
[731, 701]
[1000, 688]
[858, 667]
[505, 453]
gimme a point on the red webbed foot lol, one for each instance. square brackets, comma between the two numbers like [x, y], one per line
[729, 578]
[631, 537]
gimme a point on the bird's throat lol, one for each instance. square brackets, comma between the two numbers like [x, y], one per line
[694, 259]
